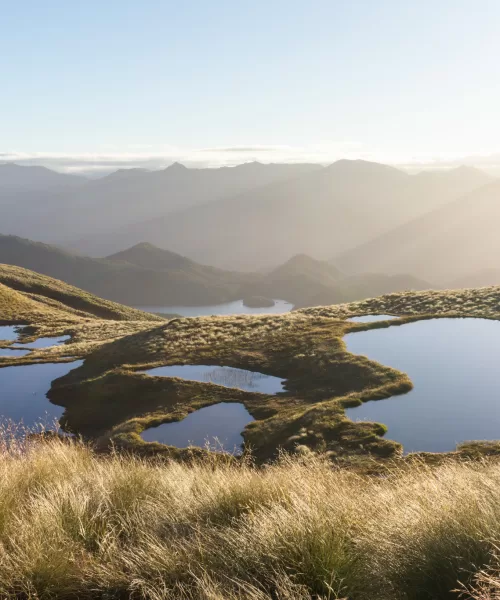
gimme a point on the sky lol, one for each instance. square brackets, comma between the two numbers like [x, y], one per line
[94, 85]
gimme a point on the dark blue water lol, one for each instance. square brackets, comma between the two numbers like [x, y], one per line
[13, 352]
[229, 308]
[226, 376]
[454, 366]
[371, 318]
[47, 342]
[217, 427]
[23, 392]
[8, 333]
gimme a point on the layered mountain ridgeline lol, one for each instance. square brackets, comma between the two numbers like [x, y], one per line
[16, 179]
[309, 282]
[147, 275]
[140, 276]
[320, 213]
[110, 398]
[456, 243]
[124, 198]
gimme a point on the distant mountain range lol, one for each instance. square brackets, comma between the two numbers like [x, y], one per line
[383, 228]
[17, 179]
[457, 244]
[147, 275]
[248, 217]
[118, 278]
[124, 198]
[320, 212]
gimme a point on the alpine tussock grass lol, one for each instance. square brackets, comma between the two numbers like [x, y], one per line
[74, 524]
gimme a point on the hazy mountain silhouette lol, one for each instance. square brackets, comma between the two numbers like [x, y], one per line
[146, 275]
[17, 178]
[450, 243]
[118, 280]
[481, 278]
[309, 282]
[129, 196]
[318, 213]
[147, 256]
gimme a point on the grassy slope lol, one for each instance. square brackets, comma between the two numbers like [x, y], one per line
[75, 525]
[62, 296]
[48, 307]
[304, 347]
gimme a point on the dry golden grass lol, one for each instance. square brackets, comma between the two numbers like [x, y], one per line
[77, 525]
[48, 307]
[55, 294]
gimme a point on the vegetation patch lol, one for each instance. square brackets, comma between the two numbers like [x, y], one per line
[109, 400]
[76, 524]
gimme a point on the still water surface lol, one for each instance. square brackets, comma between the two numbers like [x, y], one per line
[250, 381]
[8, 333]
[218, 426]
[13, 352]
[229, 308]
[47, 342]
[23, 392]
[454, 366]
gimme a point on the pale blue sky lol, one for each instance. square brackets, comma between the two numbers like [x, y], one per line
[394, 80]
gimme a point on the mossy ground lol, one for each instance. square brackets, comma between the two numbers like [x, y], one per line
[110, 400]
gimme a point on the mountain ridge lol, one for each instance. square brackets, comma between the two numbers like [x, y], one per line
[319, 213]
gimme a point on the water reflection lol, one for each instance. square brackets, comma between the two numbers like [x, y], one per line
[217, 427]
[226, 376]
[8, 333]
[453, 364]
[23, 392]
[47, 342]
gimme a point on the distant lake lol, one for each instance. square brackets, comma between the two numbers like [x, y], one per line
[229, 308]
[242, 379]
[218, 426]
[453, 364]
[23, 392]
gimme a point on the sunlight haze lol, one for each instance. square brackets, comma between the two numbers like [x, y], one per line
[97, 85]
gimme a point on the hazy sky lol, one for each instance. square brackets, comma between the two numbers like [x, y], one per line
[213, 81]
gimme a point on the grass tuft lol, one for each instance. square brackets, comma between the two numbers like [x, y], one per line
[74, 524]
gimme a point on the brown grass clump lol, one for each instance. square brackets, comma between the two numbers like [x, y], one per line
[77, 525]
